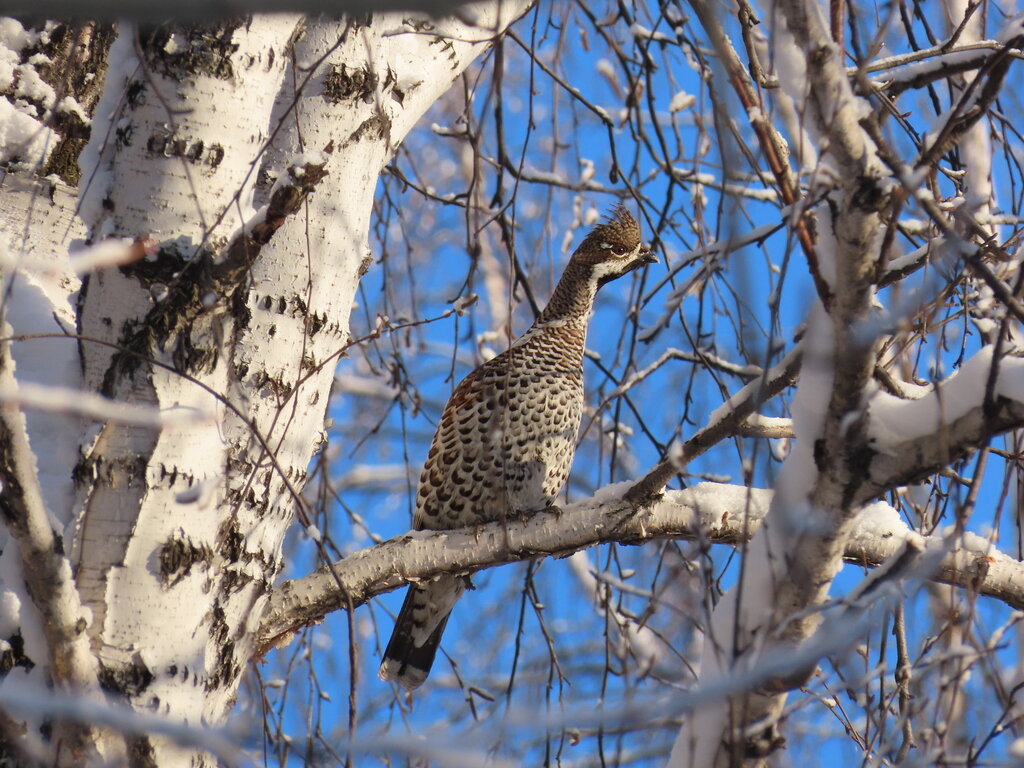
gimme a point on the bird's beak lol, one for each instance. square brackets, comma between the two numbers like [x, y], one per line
[646, 257]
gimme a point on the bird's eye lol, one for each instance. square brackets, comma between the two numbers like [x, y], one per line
[619, 250]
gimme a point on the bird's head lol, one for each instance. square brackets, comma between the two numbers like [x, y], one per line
[613, 248]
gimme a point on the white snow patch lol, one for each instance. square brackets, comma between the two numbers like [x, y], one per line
[790, 63]
[640, 32]
[912, 257]
[14, 36]
[589, 170]
[7, 65]
[675, 455]
[727, 497]
[74, 401]
[70, 106]
[462, 304]
[799, 474]
[768, 422]
[52, 435]
[879, 519]
[681, 101]
[31, 86]
[612, 492]
[408, 80]
[177, 43]
[975, 543]
[894, 421]
[10, 606]
[315, 157]
[1011, 28]
[22, 138]
[828, 246]
[28, 619]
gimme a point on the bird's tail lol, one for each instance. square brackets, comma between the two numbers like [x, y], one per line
[418, 629]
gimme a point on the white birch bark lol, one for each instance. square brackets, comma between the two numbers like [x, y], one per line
[176, 534]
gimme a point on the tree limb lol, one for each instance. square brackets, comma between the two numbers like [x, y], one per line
[721, 514]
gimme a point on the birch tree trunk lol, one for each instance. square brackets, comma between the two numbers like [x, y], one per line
[226, 192]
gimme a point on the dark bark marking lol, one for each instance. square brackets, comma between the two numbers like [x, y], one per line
[164, 142]
[375, 127]
[141, 753]
[126, 680]
[199, 50]
[14, 655]
[343, 84]
[177, 556]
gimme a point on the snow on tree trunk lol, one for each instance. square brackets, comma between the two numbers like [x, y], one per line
[230, 335]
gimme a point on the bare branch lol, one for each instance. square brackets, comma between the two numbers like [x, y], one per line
[728, 420]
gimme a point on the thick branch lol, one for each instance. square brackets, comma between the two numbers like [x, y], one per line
[844, 358]
[723, 514]
[913, 460]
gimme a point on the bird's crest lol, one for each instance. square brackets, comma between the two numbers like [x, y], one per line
[618, 228]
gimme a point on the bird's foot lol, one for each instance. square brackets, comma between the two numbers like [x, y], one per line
[518, 516]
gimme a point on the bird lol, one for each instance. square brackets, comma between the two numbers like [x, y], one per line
[506, 439]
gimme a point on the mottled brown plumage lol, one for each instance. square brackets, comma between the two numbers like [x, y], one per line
[506, 439]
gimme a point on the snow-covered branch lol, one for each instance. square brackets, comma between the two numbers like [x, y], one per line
[25, 700]
[711, 512]
[66, 400]
[912, 439]
[917, 69]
